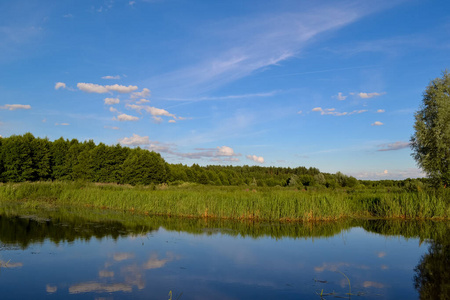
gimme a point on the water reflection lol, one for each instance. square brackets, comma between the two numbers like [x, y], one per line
[115, 255]
[432, 278]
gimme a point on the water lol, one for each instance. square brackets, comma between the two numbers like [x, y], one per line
[67, 256]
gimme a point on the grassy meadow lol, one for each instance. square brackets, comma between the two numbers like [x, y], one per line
[238, 202]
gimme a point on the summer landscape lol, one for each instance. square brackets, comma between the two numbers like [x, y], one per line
[171, 149]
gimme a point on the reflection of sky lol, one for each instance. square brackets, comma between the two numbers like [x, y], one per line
[216, 267]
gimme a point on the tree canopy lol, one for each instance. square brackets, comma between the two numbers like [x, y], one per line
[431, 140]
[27, 158]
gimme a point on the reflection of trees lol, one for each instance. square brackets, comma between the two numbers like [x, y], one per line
[432, 279]
[422, 229]
[25, 226]
[69, 224]
[23, 231]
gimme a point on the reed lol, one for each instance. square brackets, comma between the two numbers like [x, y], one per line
[269, 204]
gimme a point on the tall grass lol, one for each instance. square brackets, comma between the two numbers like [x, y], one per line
[270, 204]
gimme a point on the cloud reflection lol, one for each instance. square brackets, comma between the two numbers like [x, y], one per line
[381, 254]
[331, 267]
[133, 274]
[155, 263]
[51, 289]
[122, 256]
[97, 287]
[378, 285]
[105, 273]
[8, 264]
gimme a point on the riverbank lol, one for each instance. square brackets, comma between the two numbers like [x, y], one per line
[241, 202]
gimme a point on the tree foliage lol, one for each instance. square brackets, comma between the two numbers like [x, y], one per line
[431, 140]
[26, 158]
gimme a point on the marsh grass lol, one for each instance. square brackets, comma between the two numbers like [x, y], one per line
[268, 204]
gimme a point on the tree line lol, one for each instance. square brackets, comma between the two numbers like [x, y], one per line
[27, 158]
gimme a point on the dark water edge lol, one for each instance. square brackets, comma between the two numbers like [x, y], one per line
[218, 259]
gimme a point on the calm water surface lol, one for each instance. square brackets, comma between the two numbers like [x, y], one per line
[56, 257]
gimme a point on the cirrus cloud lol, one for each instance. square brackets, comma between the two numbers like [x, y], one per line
[15, 106]
[394, 146]
[111, 77]
[333, 112]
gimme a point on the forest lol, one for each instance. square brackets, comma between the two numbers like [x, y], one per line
[28, 158]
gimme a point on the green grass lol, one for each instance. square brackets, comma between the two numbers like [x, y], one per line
[268, 204]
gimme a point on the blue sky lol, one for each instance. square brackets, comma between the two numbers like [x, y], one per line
[326, 84]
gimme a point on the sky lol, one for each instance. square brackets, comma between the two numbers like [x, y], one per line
[332, 85]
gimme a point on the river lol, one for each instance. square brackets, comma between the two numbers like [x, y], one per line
[107, 255]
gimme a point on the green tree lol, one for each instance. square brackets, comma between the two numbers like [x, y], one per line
[17, 157]
[144, 167]
[41, 158]
[58, 151]
[431, 140]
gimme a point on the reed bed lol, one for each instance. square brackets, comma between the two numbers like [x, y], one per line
[268, 204]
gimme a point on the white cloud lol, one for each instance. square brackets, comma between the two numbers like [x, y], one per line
[111, 127]
[162, 148]
[62, 124]
[377, 123]
[102, 89]
[144, 94]
[60, 85]
[15, 106]
[121, 88]
[341, 97]
[218, 154]
[394, 146]
[92, 88]
[125, 117]
[156, 113]
[135, 140]
[258, 159]
[111, 77]
[141, 101]
[368, 95]
[391, 174]
[225, 151]
[380, 111]
[172, 121]
[111, 101]
[112, 109]
[332, 111]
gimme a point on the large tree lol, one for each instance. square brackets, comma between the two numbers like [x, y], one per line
[431, 140]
